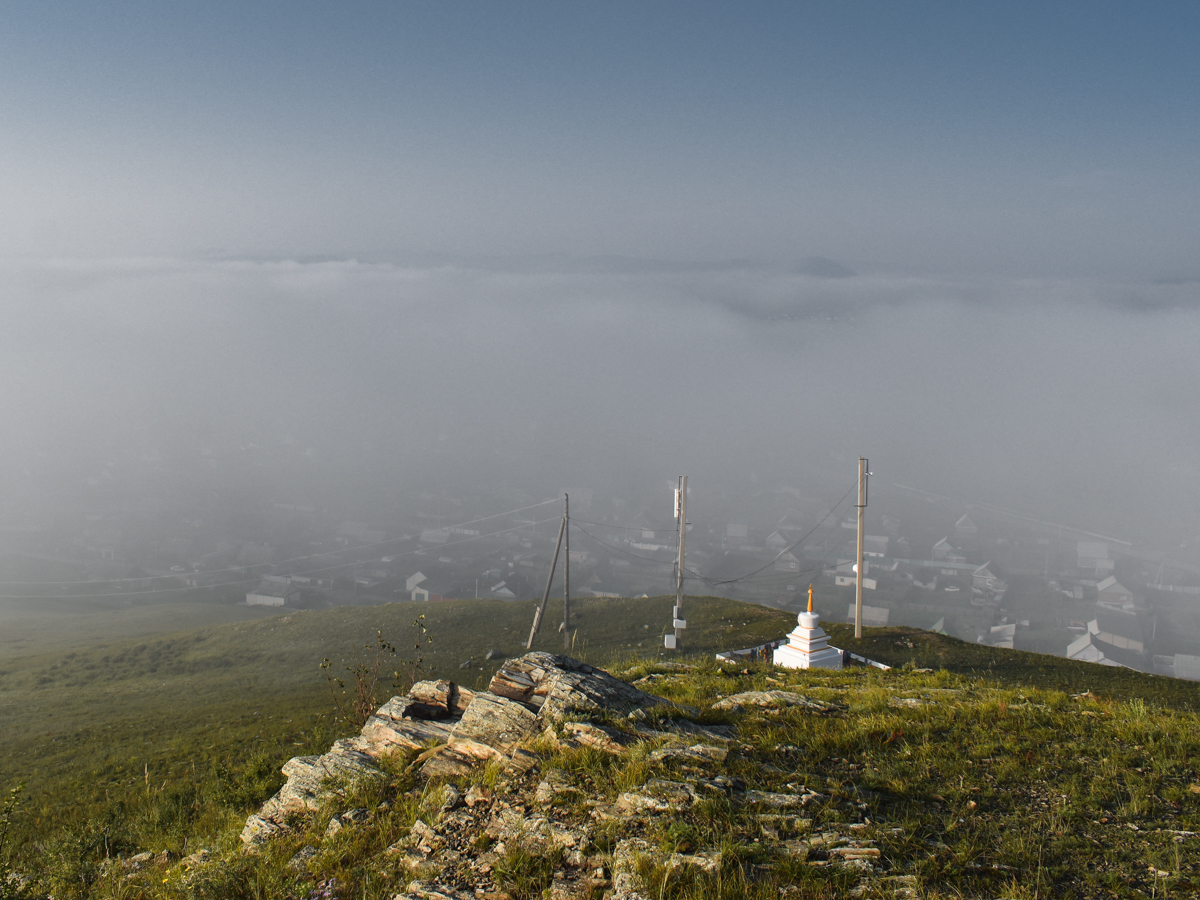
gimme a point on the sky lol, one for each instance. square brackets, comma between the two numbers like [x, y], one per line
[605, 244]
[1017, 139]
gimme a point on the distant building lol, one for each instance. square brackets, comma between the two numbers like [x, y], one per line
[1091, 647]
[1092, 556]
[737, 534]
[273, 593]
[983, 577]
[964, 528]
[846, 575]
[1113, 595]
[1002, 636]
[1187, 667]
[943, 549]
[786, 562]
[775, 539]
[875, 545]
[872, 616]
[1119, 629]
[501, 592]
[420, 590]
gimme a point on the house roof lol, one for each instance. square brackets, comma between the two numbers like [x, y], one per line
[1118, 624]
[984, 570]
[1111, 583]
[275, 589]
[1122, 656]
[945, 541]
[1090, 648]
[964, 522]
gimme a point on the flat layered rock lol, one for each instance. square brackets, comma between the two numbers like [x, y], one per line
[702, 755]
[313, 780]
[771, 800]
[387, 730]
[524, 695]
[495, 720]
[658, 795]
[440, 697]
[555, 685]
[460, 757]
[425, 890]
[672, 728]
[489, 729]
[773, 699]
[308, 786]
[598, 737]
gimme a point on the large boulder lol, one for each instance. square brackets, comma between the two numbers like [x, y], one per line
[525, 695]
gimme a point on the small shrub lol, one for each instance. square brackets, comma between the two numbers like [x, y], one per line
[10, 881]
[524, 875]
[357, 697]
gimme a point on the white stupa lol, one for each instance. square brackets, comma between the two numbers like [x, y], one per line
[808, 644]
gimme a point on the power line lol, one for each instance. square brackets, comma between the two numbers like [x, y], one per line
[616, 548]
[691, 573]
[712, 582]
[802, 539]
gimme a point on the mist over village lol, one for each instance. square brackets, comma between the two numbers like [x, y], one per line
[370, 434]
[613, 452]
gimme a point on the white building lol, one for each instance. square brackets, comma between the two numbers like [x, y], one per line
[273, 593]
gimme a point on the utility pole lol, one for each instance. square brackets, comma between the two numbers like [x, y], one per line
[566, 623]
[541, 610]
[862, 505]
[675, 642]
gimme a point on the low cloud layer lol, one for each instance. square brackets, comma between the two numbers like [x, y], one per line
[365, 384]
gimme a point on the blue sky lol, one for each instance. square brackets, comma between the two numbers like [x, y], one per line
[1020, 139]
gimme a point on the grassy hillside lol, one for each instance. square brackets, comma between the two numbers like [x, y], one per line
[899, 646]
[83, 722]
[38, 627]
[164, 744]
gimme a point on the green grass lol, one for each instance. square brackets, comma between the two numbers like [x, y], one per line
[897, 646]
[997, 789]
[34, 628]
[1000, 783]
[171, 727]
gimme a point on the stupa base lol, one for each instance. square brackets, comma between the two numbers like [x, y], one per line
[791, 658]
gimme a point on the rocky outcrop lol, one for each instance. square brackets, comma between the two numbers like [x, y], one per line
[460, 728]
[553, 686]
[591, 837]
[311, 780]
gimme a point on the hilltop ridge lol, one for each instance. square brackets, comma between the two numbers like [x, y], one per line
[711, 780]
[963, 771]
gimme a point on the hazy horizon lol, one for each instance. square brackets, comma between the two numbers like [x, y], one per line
[399, 246]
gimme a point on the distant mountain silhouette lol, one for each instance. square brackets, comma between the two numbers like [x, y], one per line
[821, 267]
